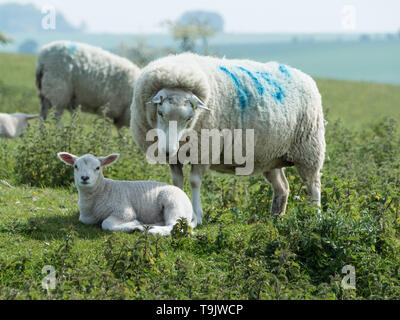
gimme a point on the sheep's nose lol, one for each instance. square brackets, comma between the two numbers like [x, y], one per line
[84, 179]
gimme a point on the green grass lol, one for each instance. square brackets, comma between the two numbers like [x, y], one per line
[240, 252]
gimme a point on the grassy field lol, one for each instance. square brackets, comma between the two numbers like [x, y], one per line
[240, 252]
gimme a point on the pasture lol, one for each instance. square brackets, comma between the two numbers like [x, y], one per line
[239, 252]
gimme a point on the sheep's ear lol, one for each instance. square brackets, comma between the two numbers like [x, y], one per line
[105, 161]
[159, 98]
[67, 158]
[197, 103]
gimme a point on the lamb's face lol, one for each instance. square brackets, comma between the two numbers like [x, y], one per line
[87, 170]
[175, 112]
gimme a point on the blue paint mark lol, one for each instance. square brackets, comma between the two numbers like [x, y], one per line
[73, 47]
[259, 79]
[241, 92]
[258, 84]
[279, 94]
[284, 70]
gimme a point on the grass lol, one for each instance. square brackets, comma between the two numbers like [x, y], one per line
[240, 252]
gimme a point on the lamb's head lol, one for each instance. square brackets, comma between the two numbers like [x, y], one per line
[87, 169]
[176, 110]
[21, 121]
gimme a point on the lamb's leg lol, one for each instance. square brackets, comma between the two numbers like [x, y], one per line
[113, 223]
[277, 179]
[177, 175]
[312, 179]
[195, 181]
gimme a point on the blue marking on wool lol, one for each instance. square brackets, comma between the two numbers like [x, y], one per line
[258, 84]
[279, 94]
[284, 70]
[73, 47]
[259, 79]
[243, 99]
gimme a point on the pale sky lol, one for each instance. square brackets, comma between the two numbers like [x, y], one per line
[241, 16]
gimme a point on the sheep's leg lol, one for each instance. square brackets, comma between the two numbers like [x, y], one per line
[312, 179]
[113, 223]
[45, 106]
[161, 230]
[277, 179]
[177, 175]
[195, 181]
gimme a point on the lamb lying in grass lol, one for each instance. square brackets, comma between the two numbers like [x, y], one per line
[126, 205]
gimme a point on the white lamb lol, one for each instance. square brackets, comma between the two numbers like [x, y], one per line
[70, 74]
[281, 104]
[126, 205]
[13, 125]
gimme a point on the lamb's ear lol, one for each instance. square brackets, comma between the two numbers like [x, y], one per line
[31, 116]
[105, 161]
[159, 98]
[67, 158]
[197, 103]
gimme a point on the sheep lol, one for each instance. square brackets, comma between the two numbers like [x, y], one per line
[70, 74]
[281, 104]
[126, 205]
[13, 125]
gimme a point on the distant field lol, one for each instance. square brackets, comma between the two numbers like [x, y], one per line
[355, 103]
[335, 56]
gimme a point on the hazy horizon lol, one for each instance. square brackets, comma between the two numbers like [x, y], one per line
[287, 16]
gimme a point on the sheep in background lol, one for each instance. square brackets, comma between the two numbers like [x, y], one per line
[71, 74]
[126, 205]
[280, 103]
[13, 125]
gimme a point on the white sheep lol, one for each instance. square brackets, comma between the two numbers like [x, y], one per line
[13, 125]
[70, 74]
[126, 205]
[281, 104]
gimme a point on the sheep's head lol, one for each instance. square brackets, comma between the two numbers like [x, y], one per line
[176, 110]
[87, 169]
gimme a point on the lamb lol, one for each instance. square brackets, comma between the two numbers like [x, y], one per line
[13, 125]
[126, 205]
[280, 103]
[71, 74]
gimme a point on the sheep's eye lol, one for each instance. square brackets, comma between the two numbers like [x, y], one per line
[190, 118]
[98, 168]
[76, 167]
[160, 114]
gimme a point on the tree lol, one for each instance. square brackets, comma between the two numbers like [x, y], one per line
[28, 46]
[210, 19]
[188, 30]
[4, 39]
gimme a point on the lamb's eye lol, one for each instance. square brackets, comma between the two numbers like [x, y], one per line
[76, 167]
[98, 168]
[190, 118]
[160, 114]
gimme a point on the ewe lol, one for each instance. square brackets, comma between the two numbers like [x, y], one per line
[71, 74]
[13, 125]
[126, 205]
[281, 104]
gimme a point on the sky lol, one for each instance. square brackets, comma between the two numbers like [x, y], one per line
[243, 16]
